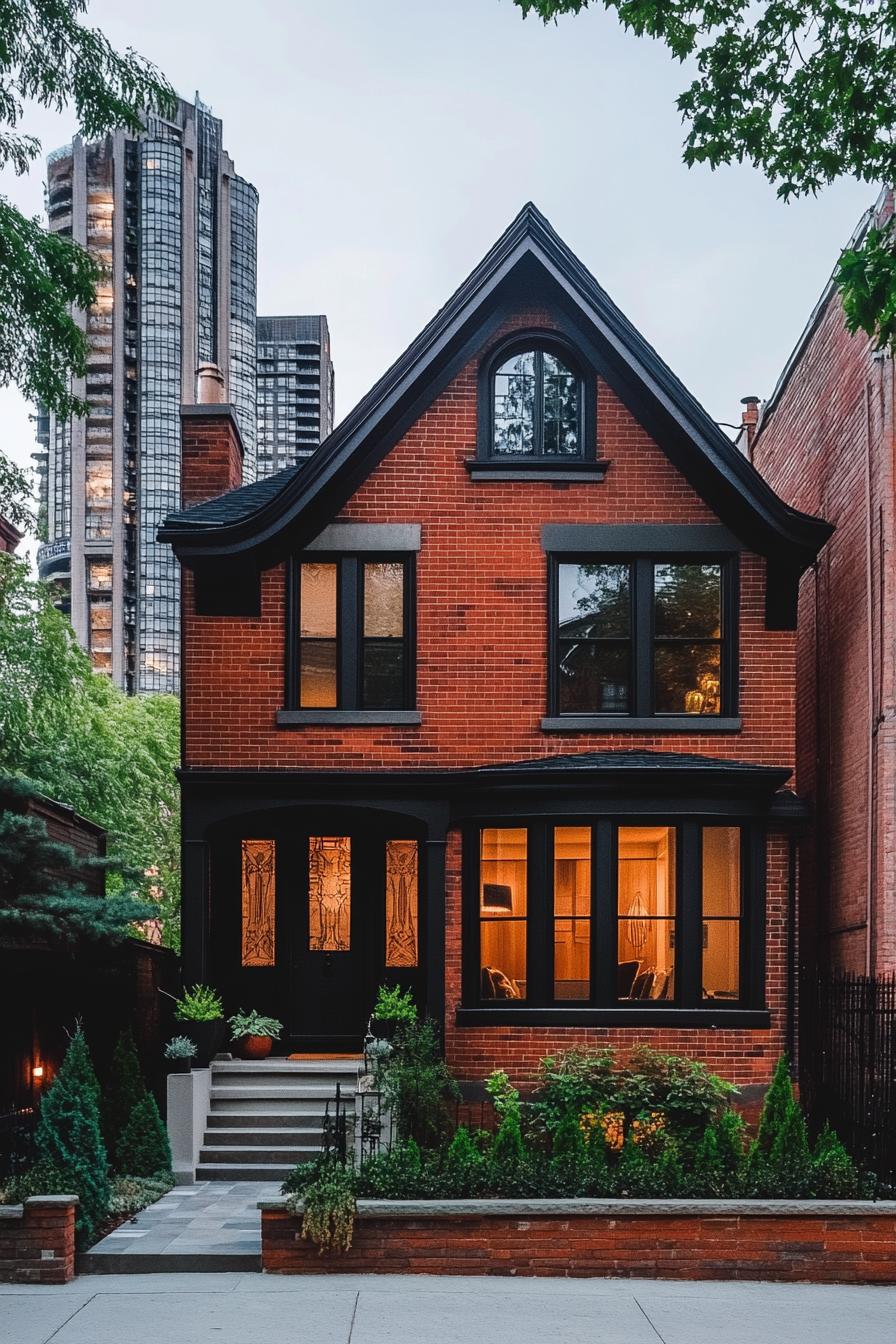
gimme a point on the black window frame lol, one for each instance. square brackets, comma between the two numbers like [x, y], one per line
[350, 639]
[604, 1006]
[541, 341]
[641, 711]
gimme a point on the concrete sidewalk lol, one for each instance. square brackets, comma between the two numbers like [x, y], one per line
[261, 1309]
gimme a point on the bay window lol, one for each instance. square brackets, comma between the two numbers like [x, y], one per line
[630, 915]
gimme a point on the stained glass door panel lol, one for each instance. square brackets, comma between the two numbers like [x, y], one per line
[329, 893]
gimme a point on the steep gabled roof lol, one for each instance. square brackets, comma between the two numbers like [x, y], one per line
[529, 262]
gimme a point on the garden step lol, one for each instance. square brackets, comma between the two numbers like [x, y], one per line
[260, 1138]
[261, 1118]
[264, 1092]
[259, 1157]
[296, 1067]
[223, 1171]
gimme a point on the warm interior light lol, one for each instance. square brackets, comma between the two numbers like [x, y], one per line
[37, 1072]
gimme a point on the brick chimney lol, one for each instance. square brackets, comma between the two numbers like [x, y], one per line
[211, 446]
[749, 419]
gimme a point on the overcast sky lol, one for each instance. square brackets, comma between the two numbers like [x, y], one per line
[392, 142]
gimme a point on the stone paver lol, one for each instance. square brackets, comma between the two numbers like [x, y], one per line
[354, 1309]
[213, 1225]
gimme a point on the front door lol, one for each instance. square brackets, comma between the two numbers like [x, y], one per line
[309, 916]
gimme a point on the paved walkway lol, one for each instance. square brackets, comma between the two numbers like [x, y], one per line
[349, 1309]
[210, 1226]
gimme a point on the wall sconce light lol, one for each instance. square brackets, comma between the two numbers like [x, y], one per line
[497, 898]
[37, 1073]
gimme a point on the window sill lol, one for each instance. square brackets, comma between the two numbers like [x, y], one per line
[622, 723]
[349, 718]
[521, 469]
[705, 1018]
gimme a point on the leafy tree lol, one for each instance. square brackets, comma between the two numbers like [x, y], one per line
[49, 57]
[805, 91]
[44, 886]
[143, 1148]
[69, 1141]
[81, 740]
[123, 1090]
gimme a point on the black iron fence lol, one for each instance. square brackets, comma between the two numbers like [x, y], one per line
[17, 1126]
[848, 1063]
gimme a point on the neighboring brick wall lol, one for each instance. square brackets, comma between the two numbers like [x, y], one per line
[826, 446]
[45, 1224]
[686, 1244]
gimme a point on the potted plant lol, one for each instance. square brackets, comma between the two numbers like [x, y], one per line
[202, 1012]
[180, 1052]
[253, 1034]
[393, 1007]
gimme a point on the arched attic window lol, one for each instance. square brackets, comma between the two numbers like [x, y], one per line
[536, 406]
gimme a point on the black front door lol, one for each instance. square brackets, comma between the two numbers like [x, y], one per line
[309, 916]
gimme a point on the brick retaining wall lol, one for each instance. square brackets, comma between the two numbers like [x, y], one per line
[37, 1240]
[811, 1241]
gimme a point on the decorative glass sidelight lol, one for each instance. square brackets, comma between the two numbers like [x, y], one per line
[259, 895]
[401, 902]
[329, 893]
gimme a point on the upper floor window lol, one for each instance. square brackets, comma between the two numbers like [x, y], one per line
[354, 648]
[536, 407]
[643, 637]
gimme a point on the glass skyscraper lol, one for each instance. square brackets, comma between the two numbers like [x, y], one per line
[295, 390]
[174, 230]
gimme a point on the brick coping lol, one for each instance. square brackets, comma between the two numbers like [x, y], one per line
[648, 1208]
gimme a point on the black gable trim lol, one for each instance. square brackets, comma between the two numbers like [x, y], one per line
[527, 264]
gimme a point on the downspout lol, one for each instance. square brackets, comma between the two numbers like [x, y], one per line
[790, 1042]
[870, 811]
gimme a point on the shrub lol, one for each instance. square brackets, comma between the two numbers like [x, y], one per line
[394, 1005]
[834, 1173]
[464, 1172]
[417, 1084]
[302, 1175]
[569, 1166]
[69, 1141]
[327, 1208]
[124, 1088]
[143, 1149]
[199, 1004]
[683, 1089]
[719, 1159]
[397, 1174]
[577, 1081]
[775, 1108]
[130, 1194]
[41, 1179]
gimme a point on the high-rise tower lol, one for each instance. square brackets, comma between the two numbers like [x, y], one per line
[295, 390]
[174, 229]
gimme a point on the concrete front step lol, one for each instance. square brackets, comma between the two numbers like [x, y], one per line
[294, 1121]
[223, 1171]
[259, 1157]
[263, 1092]
[263, 1138]
[170, 1262]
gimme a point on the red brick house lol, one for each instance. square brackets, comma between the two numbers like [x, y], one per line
[825, 442]
[494, 697]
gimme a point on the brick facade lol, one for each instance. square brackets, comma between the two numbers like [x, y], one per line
[481, 616]
[826, 444]
[481, 604]
[37, 1240]
[799, 1245]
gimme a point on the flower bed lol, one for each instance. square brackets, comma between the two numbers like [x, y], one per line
[814, 1241]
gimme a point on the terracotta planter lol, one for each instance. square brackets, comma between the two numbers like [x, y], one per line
[254, 1047]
